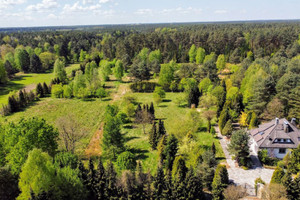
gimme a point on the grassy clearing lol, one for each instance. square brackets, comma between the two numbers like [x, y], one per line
[22, 80]
[89, 114]
[172, 114]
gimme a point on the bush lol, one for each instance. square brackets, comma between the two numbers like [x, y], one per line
[266, 159]
[67, 91]
[57, 91]
[233, 192]
[101, 93]
[143, 86]
[126, 160]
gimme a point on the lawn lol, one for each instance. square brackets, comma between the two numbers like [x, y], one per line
[88, 114]
[22, 80]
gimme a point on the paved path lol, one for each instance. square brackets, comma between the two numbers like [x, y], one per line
[244, 177]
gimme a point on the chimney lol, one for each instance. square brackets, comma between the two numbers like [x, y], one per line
[293, 121]
[286, 127]
[276, 121]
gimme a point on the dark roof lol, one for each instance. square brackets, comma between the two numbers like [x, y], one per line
[278, 133]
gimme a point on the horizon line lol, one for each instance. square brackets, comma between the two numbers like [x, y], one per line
[156, 23]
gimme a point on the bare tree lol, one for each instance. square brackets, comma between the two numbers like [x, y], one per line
[143, 117]
[70, 132]
[233, 192]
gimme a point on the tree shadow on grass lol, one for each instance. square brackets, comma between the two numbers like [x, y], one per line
[127, 139]
[220, 158]
[162, 106]
[107, 99]
[167, 100]
[139, 154]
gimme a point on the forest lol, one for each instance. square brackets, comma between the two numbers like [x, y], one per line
[130, 112]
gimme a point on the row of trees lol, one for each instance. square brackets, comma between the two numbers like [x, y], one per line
[22, 99]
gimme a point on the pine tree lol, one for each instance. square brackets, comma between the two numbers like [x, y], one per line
[179, 169]
[161, 149]
[277, 175]
[83, 173]
[39, 90]
[289, 185]
[193, 97]
[193, 186]
[221, 101]
[254, 121]
[13, 104]
[170, 151]
[220, 182]
[100, 181]
[213, 148]
[151, 110]
[22, 100]
[227, 130]
[179, 174]
[169, 187]
[159, 184]
[91, 181]
[224, 117]
[161, 129]
[153, 136]
[111, 181]
[141, 181]
[46, 89]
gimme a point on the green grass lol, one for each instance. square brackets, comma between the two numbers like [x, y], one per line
[88, 114]
[22, 80]
[172, 114]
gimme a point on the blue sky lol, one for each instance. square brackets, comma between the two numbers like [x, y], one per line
[15, 13]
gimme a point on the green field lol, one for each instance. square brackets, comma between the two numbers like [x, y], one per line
[22, 80]
[89, 115]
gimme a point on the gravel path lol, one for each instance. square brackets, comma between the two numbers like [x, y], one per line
[244, 177]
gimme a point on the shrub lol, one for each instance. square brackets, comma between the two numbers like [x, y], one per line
[143, 86]
[67, 91]
[233, 192]
[126, 160]
[57, 91]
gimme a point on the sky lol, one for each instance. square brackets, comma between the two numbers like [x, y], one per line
[26, 13]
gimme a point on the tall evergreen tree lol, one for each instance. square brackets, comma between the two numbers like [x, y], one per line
[213, 148]
[161, 129]
[13, 104]
[159, 184]
[277, 175]
[111, 191]
[153, 136]
[224, 117]
[35, 64]
[220, 182]
[100, 182]
[22, 99]
[170, 151]
[46, 89]
[193, 186]
[222, 99]
[91, 181]
[39, 90]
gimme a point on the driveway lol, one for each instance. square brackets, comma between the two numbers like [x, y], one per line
[240, 176]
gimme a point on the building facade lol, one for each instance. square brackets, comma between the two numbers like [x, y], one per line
[277, 136]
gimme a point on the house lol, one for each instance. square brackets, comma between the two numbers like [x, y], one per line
[277, 136]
